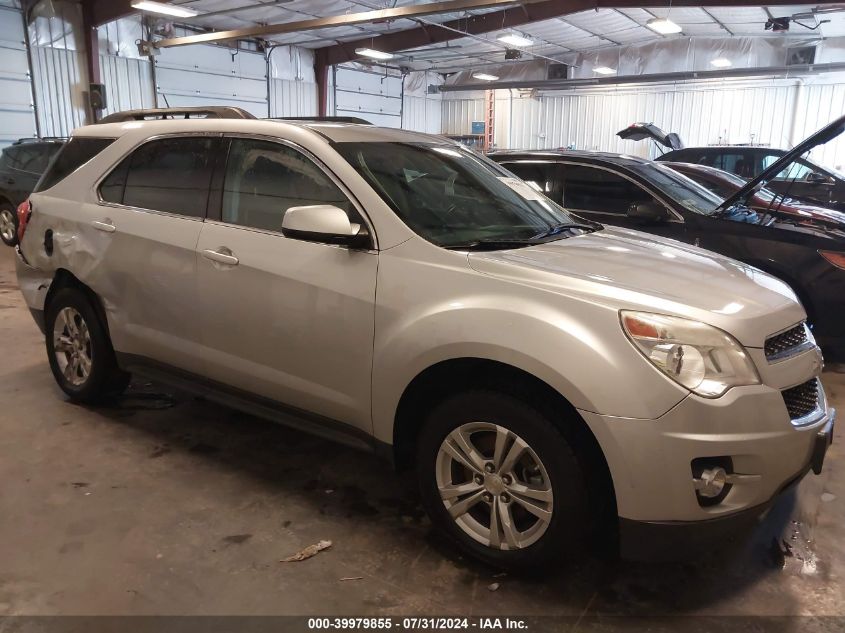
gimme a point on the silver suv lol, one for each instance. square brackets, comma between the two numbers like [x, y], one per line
[546, 377]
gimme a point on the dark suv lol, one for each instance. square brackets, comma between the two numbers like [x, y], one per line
[806, 252]
[21, 165]
[803, 179]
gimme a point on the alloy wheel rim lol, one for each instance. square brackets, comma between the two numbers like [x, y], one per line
[7, 225]
[494, 486]
[72, 346]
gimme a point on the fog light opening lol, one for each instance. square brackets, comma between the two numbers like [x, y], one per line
[711, 479]
[712, 482]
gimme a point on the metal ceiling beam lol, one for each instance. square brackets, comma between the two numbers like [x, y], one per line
[349, 19]
[563, 84]
[504, 19]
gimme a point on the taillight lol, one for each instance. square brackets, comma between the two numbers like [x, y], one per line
[24, 213]
[837, 259]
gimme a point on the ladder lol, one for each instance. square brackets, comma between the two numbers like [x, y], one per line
[490, 120]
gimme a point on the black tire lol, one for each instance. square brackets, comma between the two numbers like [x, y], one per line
[105, 380]
[6, 209]
[566, 532]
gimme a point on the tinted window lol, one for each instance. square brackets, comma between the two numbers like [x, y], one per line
[170, 175]
[263, 180]
[75, 153]
[737, 163]
[597, 190]
[544, 177]
[796, 170]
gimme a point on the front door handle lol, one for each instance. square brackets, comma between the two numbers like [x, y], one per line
[222, 256]
[104, 225]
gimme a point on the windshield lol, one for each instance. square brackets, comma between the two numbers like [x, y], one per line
[451, 196]
[679, 188]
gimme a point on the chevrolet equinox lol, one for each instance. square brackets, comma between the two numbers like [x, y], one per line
[546, 377]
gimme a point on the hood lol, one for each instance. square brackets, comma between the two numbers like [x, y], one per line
[627, 269]
[827, 133]
[643, 131]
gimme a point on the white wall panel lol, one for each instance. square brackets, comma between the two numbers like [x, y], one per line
[61, 85]
[292, 98]
[129, 83]
[211, 75]
[421, 114]
[777, 113]
[17, 118]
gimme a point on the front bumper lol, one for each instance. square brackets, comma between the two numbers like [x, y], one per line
[656, 541]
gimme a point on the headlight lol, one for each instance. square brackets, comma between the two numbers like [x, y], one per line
[702, 358]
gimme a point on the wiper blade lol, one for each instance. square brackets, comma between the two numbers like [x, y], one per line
[491, 245]
[566, 226]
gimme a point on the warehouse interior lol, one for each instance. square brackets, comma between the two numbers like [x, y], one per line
[164, 503]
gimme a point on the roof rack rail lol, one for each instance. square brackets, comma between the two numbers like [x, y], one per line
[324, 119]
[36, 139]
[202, 112]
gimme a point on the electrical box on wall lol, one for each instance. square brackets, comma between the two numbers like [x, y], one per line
[97, 96]
[477, 127]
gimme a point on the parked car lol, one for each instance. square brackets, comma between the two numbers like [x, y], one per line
[772, 205]
[802, 179]
[641, 194]
[400, 292]
[21, 165]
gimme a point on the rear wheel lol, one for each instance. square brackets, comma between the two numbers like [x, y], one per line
[8, 224]
[79, 350]
[498, 477]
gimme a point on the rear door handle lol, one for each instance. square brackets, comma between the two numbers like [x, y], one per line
[103, 225]
[221, 256]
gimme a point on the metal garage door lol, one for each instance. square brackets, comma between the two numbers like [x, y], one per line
[17, 117]
[211, 75]
[370, 95]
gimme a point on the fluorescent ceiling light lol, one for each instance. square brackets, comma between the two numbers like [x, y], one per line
[664, 26]
[604, 70]
[485, 76]
[164, 9]
[514, 39]
[721, 62]
[371, 52]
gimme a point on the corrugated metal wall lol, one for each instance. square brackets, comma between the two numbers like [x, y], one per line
[61, 85]
[129, 83]
[292, 98]
[778, 113]
[421, 114]
[17, 118]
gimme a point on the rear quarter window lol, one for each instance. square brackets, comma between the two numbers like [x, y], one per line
[74, 154]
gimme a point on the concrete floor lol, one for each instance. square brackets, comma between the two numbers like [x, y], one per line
[164, 504]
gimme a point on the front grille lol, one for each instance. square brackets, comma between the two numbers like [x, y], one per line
[778, 345]
[801, 400]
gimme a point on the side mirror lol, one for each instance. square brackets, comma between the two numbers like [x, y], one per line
[816, 178]
[648, 212]
[323, 223]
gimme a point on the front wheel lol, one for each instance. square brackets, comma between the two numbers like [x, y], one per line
[79, 350]
[8, 224]
[499, 478]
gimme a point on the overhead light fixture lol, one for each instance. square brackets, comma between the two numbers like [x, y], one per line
[604, 70]
[371, 52]
[164, 9]
[515, 39]
[485, 76]
[664, 26]
[721, 62]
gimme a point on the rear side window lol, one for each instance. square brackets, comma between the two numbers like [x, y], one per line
[544, 177]
[75, 153]
[170, 175]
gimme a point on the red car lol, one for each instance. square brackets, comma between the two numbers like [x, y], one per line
[765, 201]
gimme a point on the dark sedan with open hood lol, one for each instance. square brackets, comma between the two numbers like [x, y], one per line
[648, 196]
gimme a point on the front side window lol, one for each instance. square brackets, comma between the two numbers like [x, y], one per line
[264, 179]
[170, 175]
[453, 197]
[677, 187]
[600, 191]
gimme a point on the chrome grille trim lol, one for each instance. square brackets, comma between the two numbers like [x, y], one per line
[805, 403]
[789, 343]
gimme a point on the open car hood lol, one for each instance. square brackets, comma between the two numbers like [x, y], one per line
[643, 131]
[827, 133]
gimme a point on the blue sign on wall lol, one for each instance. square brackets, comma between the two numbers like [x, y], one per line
[477, 127]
